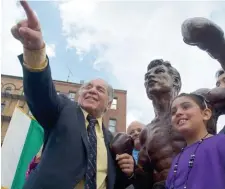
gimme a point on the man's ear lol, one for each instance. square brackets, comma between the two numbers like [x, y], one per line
[207, 114]
[109, 104]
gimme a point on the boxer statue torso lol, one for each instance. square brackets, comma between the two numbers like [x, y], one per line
[163, 143]
[160, 142]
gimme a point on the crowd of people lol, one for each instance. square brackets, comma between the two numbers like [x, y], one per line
[178, 149]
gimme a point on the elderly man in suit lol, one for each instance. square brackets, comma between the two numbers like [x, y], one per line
[76, 150]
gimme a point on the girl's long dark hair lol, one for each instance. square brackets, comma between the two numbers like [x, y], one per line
[203, 104]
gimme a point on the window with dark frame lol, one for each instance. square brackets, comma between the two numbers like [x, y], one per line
[114, 104]
[72, 96]
[2, 106]
[8, 90]
[112, 125]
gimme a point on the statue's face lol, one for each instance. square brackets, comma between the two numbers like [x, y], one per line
[158, 80]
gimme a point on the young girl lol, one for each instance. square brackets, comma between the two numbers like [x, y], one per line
[200, 165]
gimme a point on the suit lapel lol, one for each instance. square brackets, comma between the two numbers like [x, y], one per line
[107, 140]
[81, 121]
[111, 168]
[106, 136]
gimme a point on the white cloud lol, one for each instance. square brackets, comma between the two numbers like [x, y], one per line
[11, 48]
[50, 49]
[127, 36]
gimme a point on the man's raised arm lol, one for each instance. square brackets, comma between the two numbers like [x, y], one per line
[39, 89]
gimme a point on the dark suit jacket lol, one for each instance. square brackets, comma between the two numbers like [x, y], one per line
[64, 159]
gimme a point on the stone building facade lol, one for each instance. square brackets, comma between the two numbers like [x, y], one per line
[12, 96]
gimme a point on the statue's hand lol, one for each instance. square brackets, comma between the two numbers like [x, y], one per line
[206, 35]
[199, 31]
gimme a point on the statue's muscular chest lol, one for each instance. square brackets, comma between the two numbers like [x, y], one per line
[162, 137]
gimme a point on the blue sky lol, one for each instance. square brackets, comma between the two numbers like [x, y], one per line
[65, 58]
[116, 41]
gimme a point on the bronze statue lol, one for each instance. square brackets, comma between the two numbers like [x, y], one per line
[209, 37]
[122, 143]
[206, 35]
[160, 142]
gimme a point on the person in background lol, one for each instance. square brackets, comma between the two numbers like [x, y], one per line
[143, 180]
[201, 164]
[220, 78]
[215, 98]
[134, 130]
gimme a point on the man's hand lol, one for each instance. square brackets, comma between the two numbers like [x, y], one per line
[28, 31]
[126, 163]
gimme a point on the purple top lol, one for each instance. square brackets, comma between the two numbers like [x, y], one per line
[208, 171]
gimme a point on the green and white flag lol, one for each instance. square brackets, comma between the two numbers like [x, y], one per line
[22, 142]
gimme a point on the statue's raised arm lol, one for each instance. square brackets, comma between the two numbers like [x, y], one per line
[206, 35]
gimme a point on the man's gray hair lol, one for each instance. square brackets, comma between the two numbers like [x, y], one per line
[110, 89]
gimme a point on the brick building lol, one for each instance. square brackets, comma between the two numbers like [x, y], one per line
[12, 95]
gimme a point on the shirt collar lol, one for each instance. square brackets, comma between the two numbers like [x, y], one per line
[85, 116]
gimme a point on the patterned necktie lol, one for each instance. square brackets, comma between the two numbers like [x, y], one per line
[90, 180]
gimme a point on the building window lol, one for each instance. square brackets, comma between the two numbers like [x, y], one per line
[112, 125]
[2, 106]
[8, 90]
[114, 104]
[71, 96]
